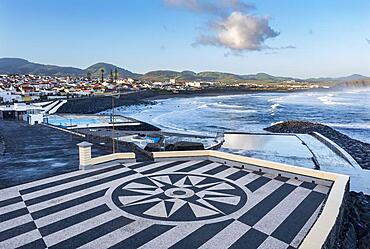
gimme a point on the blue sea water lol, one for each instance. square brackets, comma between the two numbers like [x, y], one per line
[347, 111]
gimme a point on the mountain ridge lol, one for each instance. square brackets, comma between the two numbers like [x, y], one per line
[22, 66]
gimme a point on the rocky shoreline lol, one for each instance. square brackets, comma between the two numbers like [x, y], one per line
[354, 230]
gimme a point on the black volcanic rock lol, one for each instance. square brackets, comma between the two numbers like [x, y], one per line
[355, 229]
[185, 145]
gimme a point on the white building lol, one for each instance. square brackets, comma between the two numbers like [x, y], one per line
[193, 84]
[34, 116]
[157, 84]
[19, 111]
[9, 96]
[31, 113]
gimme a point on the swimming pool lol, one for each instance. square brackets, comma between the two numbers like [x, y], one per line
[81, 120]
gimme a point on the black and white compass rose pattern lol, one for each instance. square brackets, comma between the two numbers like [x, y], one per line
[179, 197]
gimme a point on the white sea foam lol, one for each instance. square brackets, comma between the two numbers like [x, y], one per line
[275, 106]
[239, 111]
[279, 99]
[226, 106]
[326, 100]
[203, 106]
[275, 123]
[330, 99]
[350, 126]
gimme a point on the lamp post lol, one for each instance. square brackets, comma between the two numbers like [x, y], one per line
[113, 132]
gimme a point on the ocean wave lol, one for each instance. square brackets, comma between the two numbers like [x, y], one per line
[209, 114]
[274, 106]
[239, 111]
[364, 126]
[225, 96]
[203, 106]
[162, 122]
[225, 106]
[275, 123]
[279, 99]
[329, 99]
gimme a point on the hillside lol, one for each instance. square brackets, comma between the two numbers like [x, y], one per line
[266, 77]
[218, 76]
[356, 83]
[21, 66]
[350, 78]
[161, 75]
[95, 70]
[165, 75]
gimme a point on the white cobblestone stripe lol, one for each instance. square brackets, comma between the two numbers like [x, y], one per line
[167, 204]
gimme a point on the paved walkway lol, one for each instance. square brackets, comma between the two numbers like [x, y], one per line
[172, 204]
[33, 152]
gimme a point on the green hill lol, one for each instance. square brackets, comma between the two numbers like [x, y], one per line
[21, 66]
[350, 78]
[160, 75]
[265, 77]
[166, 75]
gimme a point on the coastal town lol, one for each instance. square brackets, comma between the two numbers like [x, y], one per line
[30, 88]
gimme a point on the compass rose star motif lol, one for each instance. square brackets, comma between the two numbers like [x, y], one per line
[179, 197]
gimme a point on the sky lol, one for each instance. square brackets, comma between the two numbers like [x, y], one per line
[284, 38]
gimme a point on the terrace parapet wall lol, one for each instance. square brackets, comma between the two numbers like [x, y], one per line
[321, 235]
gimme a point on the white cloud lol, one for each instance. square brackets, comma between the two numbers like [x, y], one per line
[231, 25]
[368, 41]
[239, 32]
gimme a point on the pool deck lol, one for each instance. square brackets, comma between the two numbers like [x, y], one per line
[171, 203]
